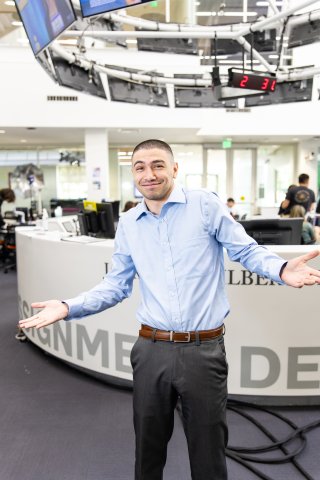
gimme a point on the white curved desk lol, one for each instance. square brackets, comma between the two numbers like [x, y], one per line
[273, 332]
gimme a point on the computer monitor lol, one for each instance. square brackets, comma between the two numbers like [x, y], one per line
[94, 7]
[83, 225]
[274, 231]
[43, 21]
[106, 219]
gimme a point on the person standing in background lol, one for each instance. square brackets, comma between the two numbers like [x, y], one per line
[300, 195]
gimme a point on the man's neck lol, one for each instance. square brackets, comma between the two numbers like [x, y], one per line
[154, 206]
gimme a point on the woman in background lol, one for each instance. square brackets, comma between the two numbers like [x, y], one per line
[308, 234]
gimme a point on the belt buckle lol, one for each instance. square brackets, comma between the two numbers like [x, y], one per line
[187, 340]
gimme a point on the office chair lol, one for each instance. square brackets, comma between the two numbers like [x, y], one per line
[8, 252]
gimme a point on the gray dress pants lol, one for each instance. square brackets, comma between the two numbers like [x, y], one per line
[195, 373]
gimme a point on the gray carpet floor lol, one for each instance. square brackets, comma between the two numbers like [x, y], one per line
[60, 424]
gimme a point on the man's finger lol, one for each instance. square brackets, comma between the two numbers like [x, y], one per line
[314, 272]
[308, 256]
[38, 304]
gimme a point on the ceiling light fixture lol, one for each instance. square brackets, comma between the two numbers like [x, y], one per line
[266, 4]
[227, 14]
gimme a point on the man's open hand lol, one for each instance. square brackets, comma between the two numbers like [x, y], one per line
[297, 273]
[52, 311]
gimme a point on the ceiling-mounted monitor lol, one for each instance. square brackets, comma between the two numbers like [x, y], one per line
[97, 7]
[198, 97]
[44, 20]
[264, 41]
[286, 92]
[138, 93]
[225, 46]
[185, 46]
[75, 77]
[304, 34]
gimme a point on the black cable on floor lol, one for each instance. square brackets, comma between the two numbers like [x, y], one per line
[246, 455]
[237, 405]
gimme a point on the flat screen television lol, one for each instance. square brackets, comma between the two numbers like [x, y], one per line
[137, 93]
[285, 92]
[96, 7]
[44, 20]
[274, 231]
[75, 77]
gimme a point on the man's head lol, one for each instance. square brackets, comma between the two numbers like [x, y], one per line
[154, 169]
[303, 179]
[8, 195]
[230, 202]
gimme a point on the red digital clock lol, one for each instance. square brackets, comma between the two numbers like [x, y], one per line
[251, 81]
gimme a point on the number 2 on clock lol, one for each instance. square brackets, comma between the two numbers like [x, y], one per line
[244, 81]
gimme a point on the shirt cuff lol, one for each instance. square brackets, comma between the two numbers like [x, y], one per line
[75, 306]
[282, 268]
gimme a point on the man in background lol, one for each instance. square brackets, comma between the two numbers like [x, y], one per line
[300, 195]
[231, 204]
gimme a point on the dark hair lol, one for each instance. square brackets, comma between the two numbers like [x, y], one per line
[303, 178]
[128, 205]
[153, 143]
[8, 195]
[230, 199]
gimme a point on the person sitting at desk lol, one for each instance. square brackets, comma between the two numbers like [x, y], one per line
[308, 234]
[231, 204]
[6, 195]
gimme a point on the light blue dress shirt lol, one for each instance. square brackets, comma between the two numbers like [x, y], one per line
[178, 258]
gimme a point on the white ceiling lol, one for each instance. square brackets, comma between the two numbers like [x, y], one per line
[45, 138]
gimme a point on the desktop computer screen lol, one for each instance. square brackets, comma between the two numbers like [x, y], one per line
[99, 222]
[274, 231]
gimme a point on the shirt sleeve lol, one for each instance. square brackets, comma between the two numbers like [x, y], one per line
[240, 246]
[115, 287]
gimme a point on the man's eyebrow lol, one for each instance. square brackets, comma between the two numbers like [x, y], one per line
[138, 161]
[143, 162]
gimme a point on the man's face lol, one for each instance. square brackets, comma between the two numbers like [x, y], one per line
[154, 171]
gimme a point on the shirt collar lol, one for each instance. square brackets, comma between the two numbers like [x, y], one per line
[176, 196]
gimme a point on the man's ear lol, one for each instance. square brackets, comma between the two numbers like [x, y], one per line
[175, 170]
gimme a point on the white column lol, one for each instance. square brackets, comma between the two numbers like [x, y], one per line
[97, 163]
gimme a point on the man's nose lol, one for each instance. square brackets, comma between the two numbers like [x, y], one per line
[149, 173]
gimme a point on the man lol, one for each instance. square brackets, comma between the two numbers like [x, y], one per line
[174, 242]
[300, 195]
[231, 204]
